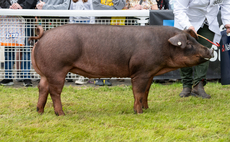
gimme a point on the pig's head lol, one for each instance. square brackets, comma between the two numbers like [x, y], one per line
[188, 51]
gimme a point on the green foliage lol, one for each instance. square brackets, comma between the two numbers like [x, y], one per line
[106, 114]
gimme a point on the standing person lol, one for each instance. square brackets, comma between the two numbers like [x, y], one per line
[19, 4]
[138, 5]
[9, 55]
[201, 17]
[53, 4]
[81, 5]
[171, 4]
[107, 5]
[163, 4]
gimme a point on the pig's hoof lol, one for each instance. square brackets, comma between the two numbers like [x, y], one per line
[138, 112]
[40, 111]
[60, 113]
[145, 106]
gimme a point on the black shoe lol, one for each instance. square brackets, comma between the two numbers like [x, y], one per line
[198, 91]
[107, 82]
[98, 82]
[27, 83]
[186, 92]
[7, 82]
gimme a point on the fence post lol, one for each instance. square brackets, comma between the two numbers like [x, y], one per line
[142, 21]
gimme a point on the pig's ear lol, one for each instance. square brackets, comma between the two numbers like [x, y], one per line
[192, 33]
[178, 40]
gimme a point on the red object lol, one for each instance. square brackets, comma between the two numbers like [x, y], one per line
[223, 49]
[216, 44]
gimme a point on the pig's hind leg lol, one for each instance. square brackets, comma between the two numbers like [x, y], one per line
[56, 83]
[43, 87]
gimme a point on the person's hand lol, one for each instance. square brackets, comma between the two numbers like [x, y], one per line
[125, 8]
[192, 28]
[15, 6]
[227, 26]
[144, 7]
[75, 1]
[137, 7]
[154, 7]
[40, 5]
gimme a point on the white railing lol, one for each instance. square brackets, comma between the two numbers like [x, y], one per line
[141, 14]
[21, 66]
[67, 13]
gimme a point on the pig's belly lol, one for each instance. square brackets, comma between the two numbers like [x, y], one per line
[100, 71]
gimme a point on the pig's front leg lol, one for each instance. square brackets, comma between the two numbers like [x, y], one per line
[141, 86]
[145, 98]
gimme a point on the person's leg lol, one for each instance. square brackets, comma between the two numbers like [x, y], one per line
[26, 63]
[9, 61]
[18, 63]
[200, 71]
[186, 77]
[18, 59]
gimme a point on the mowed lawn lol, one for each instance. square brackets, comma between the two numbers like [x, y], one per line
[106, 114]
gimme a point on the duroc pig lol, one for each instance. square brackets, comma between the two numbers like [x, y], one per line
[103, 51]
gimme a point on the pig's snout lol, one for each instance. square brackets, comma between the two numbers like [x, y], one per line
[211, 54]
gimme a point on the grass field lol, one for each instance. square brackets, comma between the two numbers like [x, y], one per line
[106, 114]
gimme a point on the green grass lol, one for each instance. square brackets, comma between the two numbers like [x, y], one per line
[106, 114]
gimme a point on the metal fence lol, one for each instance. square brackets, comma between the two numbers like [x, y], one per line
[16, 28]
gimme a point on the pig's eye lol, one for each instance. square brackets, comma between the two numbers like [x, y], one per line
[188, 44]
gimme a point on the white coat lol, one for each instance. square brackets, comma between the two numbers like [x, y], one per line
[193, 13]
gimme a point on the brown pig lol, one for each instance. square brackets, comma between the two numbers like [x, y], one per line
[103, 51]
